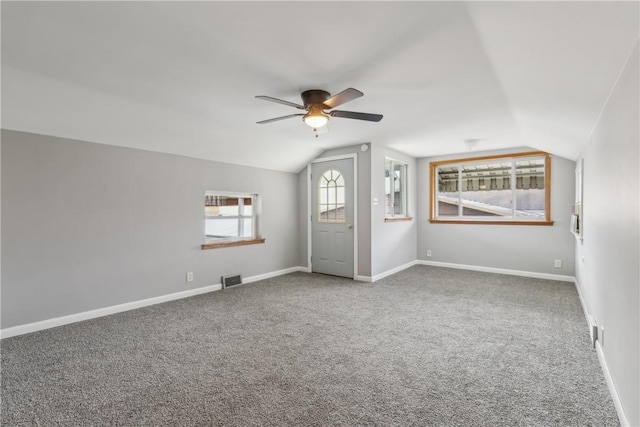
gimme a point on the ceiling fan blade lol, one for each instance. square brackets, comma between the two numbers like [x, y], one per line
[280, 101]
[342, 97]
[279, 118]
[359, 116]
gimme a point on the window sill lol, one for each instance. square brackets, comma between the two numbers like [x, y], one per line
[229, 244]
[398, 219]
[463, 221]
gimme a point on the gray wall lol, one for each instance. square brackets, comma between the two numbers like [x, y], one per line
[392, 243]
[513, 247]
[303, 218]
[607, 259]
[87, 226]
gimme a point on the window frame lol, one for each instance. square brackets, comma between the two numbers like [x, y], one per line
[336, 203]
[255, 216]
[404, 216]
[512, 157]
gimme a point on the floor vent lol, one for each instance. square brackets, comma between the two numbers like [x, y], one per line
[229, 281]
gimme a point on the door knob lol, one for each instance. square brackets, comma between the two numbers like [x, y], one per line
[350, 226]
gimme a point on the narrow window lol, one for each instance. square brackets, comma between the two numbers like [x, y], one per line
[395, 187]
[504, 189]
[576, 216]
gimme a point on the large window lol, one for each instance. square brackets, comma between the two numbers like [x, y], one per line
[230, 219]
[505, 189]
[395, 189]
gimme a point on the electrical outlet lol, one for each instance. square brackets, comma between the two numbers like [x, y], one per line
[557, 263]
[429, 253]
[189, 276]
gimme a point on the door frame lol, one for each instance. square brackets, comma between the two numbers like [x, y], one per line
[354, 157]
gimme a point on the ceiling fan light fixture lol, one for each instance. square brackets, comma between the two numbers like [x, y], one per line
[315, 118]
[317, 103]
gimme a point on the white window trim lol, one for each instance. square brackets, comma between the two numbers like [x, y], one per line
[256, 213]
[405, 189]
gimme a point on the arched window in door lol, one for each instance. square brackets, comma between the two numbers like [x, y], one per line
[331, 197]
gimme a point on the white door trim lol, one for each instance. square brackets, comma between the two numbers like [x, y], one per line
[353, 156]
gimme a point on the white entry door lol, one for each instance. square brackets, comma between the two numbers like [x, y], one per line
[332, 217]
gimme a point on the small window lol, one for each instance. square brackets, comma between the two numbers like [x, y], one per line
[331, 197]
[504, 189]
[395, 188]
[230, 217]
[576, 216]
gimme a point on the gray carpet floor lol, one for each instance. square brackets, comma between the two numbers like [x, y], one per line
[427, 346]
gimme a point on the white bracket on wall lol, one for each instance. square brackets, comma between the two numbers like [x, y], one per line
[593, 330]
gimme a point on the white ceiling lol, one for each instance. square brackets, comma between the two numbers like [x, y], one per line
[180, 77]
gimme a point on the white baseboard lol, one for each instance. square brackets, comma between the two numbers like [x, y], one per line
[532, 274]
[582, 303]
[393, 271]
[367, 279]
[105, 311]
[273, 274]
[624, 422]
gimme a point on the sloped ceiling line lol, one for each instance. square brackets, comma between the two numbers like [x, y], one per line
[180, 77]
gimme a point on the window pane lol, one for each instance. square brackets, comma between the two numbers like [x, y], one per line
[447, 190]
[220, 228]
[221, 206]
[248, 227]
[340, 195]
[388, 195]
[228, 211]
[399, 176]
[323, 213]
[395, 188]
[483, 190]
[331, 197]
[530, 193]
[216, 211]
[248, 207]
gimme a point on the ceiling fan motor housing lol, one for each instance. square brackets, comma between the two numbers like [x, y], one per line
[314, 96]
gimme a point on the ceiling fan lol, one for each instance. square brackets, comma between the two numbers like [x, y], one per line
[316, 102]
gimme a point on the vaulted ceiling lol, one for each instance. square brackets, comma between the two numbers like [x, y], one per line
[180, 77]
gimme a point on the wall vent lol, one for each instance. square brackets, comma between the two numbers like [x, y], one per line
[233, 280]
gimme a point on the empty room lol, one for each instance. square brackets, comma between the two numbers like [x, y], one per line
[320, 213]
